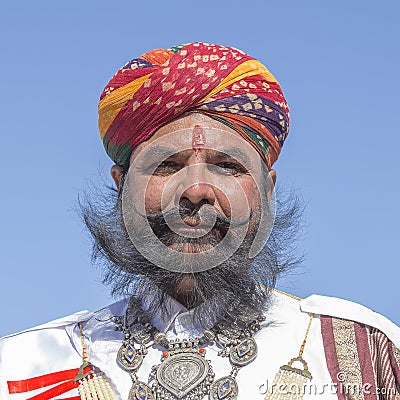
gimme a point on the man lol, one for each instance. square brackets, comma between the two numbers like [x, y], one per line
[194, 239]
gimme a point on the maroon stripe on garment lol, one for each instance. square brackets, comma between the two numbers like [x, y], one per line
[330, 354]
[366, 367]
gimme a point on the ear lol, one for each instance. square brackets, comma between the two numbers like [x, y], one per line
[271, 186]
[117, 174]
[272, 175]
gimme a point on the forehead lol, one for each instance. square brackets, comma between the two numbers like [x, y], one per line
[183, 134]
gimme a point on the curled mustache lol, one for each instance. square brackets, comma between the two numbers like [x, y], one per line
[203, 214]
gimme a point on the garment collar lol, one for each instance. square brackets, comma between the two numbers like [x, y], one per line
[163, 320]
[177, 320]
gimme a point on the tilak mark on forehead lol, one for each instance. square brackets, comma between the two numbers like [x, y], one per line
[198, 138]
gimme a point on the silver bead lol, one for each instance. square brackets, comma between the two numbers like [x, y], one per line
[159, 337]
[143, 350]
[209, 335]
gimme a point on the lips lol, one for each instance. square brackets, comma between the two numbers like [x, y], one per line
[191, 221]
[190, 228]
[192, 232]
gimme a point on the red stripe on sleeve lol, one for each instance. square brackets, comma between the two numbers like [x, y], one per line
[55, 391]
[27, 385]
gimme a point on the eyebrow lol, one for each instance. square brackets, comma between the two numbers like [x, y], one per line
[236, 153]
[158, 152]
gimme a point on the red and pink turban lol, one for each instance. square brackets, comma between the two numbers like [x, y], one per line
[221, 82]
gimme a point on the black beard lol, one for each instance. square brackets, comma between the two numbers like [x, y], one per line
[234, 291]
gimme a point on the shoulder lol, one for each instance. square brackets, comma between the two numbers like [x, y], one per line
[50, 348]
[73, 319]
[49, 336]
[351, 311]
[57, 323]
[27, 357]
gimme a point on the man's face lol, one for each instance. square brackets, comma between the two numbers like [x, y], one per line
[205, 172]
[196, 196]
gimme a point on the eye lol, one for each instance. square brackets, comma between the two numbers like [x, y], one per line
[230, 168]
[158, 166]
[166, 168]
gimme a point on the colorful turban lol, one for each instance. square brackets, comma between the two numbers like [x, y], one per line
[221, 82]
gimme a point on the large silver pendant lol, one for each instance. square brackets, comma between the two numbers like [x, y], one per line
[185, 374]
[224, 388]
[244, 352]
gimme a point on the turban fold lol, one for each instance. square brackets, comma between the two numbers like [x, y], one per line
[221, 82]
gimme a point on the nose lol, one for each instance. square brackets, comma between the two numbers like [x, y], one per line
[199, 193]
[195, 187]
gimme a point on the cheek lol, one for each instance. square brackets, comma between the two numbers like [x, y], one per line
[159, 194]
[153, 194]
[237, 201]
[252, 194]
[146, 192]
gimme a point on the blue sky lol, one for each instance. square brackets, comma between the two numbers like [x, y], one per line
[338, 65]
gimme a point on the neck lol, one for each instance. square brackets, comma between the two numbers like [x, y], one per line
[185, 292]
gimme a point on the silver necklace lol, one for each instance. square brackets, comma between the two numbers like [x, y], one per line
[184, 373]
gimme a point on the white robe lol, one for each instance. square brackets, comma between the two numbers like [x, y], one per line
[56, 346]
